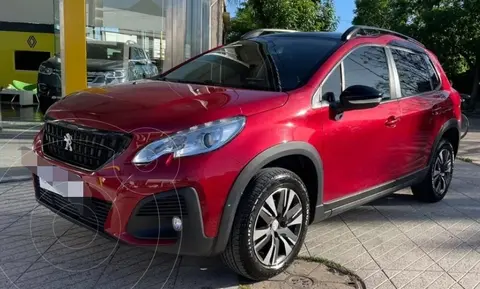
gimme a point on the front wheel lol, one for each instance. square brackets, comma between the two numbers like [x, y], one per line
[434, 186]
[465, 125]
[270, 225]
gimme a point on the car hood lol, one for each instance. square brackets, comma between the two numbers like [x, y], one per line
[157, 105]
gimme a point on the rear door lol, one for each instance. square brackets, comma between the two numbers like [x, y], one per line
[422, 105]
[358, 149]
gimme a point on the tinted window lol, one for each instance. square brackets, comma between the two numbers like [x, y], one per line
[104, 51]
[268, 63]
[413, 71]
[332, 87]
[368, 66]
[432, 72]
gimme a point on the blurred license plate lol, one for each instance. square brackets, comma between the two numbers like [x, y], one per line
[60, 182]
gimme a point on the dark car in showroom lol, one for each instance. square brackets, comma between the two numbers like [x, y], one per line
[235, 152]
[108, 63]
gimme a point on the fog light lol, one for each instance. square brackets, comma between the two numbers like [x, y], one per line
[177, 223]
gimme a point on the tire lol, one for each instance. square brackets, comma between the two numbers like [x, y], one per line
[465, 125]
[434, 186]
[269, 185]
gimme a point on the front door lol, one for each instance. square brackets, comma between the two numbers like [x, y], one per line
[358, 149]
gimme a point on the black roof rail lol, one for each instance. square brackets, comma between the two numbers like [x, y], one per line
[265, 31]
[357, 30]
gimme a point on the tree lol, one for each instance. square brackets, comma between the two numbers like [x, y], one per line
[447, 27]
[242, 23]
[303, 15]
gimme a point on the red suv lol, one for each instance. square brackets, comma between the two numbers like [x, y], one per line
[236, 151]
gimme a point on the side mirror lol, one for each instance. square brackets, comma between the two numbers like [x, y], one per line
[359, 97]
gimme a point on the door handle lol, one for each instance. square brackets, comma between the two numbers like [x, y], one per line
[392, 121]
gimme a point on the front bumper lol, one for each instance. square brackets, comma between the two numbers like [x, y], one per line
[144, 226]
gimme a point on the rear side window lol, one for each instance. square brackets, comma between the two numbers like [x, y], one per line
[415, 72]
[368, 66]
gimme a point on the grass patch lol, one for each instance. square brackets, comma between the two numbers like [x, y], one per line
[467, 160]
[335, 267]
[244, 286]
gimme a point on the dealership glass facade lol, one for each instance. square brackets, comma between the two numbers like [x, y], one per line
[169, 30]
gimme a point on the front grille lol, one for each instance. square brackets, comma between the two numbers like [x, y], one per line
[90, 149]
[95, 211]
[169, 206]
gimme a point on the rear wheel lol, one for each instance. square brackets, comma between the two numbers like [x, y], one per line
[434, 186]
[270, 225]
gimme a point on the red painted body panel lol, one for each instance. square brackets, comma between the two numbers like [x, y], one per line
[358, 152]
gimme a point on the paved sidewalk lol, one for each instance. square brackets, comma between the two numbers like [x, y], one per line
[395, 242]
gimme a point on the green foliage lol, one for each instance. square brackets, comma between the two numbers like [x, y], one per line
[303, 15]
[447, 27]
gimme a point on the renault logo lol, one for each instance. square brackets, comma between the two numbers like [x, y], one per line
[68, 142]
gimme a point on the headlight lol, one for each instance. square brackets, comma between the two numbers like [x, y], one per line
[45, 70]
[196, 140]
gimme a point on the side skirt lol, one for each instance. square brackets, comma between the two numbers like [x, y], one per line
[339, 206]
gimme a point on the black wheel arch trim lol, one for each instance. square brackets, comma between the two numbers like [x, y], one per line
[451, 123]
[247, 173]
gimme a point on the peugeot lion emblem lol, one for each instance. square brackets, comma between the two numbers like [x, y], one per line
[68, 142]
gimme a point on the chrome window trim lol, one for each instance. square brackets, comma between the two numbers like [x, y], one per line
[437, 89]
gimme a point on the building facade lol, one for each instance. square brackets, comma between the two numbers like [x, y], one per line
[171, 31]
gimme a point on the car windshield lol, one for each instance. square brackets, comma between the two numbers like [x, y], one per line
[105, 51]
[273, 63]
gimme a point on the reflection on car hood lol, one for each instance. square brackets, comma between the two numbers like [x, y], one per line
[160, 105]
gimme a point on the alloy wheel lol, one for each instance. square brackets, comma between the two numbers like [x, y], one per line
[442, 171]
[278, 226]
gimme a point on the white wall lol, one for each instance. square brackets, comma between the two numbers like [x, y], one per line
[29, 11]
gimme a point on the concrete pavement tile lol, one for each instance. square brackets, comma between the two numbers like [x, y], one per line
[467, 280]
[467, 263]
[79, 254]
[35, 226]
[394, 254]
[23, 248]
[6, 221]
[384, 248]
[17, 207]
[343, 248]
[326, 275]
[453, 257]
[349, 256]
[300, 267]
[373, 278]
[413, 279]
[191, 277]
[363, 261]
[424, 263]
[443, 282]
[413, 260]
[134, 269]
[44, 275]
[9, 272]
